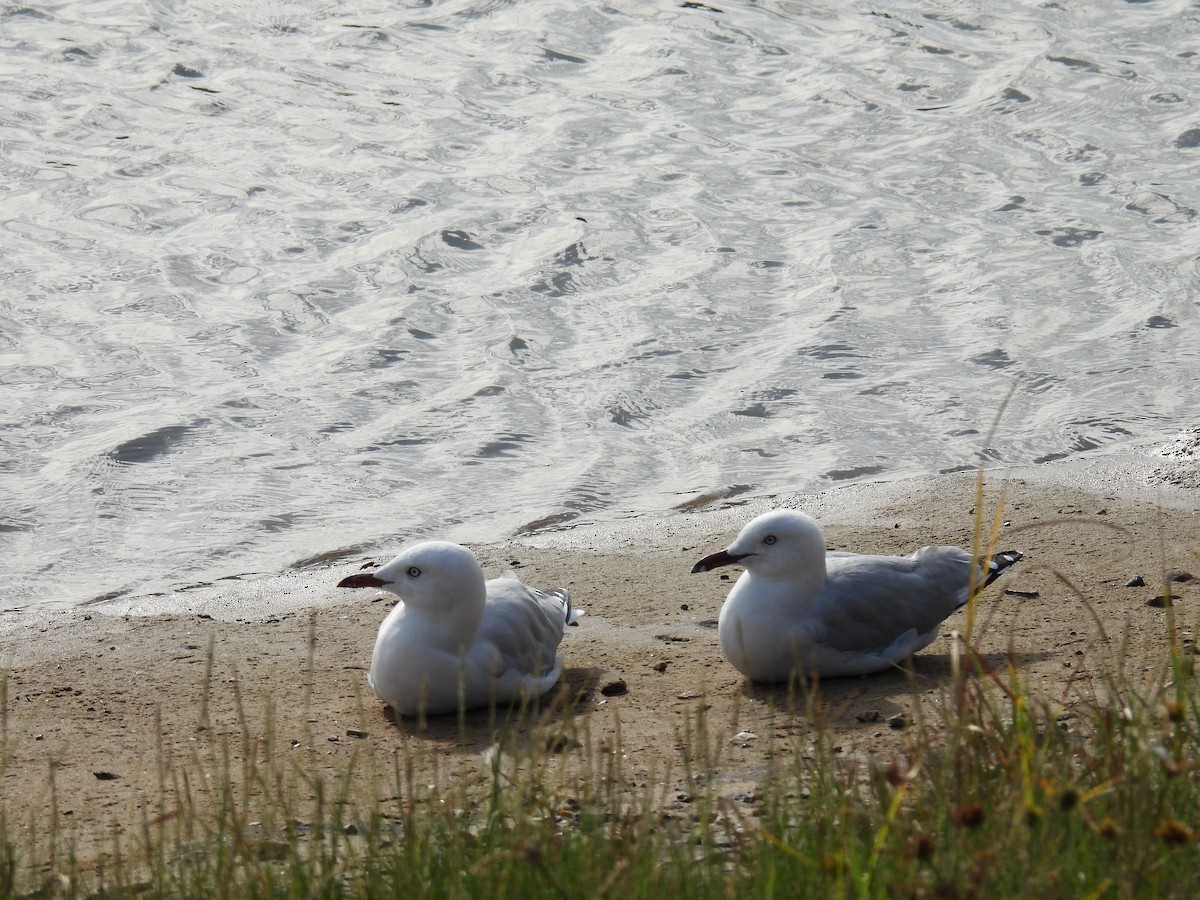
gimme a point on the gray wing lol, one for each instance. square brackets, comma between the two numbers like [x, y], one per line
[524, 625]
[871, 602]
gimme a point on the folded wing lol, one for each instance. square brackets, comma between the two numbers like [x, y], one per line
[889, 605]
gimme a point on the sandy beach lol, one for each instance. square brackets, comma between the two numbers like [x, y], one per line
[102, 700]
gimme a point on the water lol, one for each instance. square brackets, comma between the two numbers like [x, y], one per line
[284, 282]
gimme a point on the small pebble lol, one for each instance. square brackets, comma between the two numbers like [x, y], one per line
[615, 688]
[1180, 575]
[898, 722]
[1136, 581]
[1159, 601]
[660, 666]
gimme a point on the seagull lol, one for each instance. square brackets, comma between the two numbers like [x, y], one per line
[800, 610]
[456, 640]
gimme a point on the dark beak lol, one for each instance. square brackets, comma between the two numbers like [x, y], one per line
[716, 560]
[362, 579]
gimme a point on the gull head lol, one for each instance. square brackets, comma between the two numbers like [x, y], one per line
[780, 544]
[430, 575]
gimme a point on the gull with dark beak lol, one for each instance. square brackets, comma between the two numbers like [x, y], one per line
[800, 610]
[457, 640]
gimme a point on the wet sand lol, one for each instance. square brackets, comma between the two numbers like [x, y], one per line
[105, 702]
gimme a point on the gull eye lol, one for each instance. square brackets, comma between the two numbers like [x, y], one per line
[770, 539]
[414, 572]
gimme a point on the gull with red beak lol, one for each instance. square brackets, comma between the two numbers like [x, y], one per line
[800, 610]
[457, 640]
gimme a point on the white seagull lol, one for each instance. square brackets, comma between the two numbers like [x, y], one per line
[456, 639]
[801, 610]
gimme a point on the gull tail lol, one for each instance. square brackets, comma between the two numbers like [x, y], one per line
[999, 564]
[571, 615]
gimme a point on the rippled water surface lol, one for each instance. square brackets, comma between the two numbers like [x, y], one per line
[285, 281]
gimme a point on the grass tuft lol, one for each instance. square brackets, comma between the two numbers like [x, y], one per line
[992, 791]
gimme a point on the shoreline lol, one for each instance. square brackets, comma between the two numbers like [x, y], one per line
[1164, 474]
[125, 689]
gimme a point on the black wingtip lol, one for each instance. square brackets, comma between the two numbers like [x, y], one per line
[1000, 563]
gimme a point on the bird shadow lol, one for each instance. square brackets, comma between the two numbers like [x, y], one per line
[882, 697]
[547, 720]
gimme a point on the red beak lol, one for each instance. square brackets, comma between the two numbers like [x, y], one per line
[362, 579]
[716, 560]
